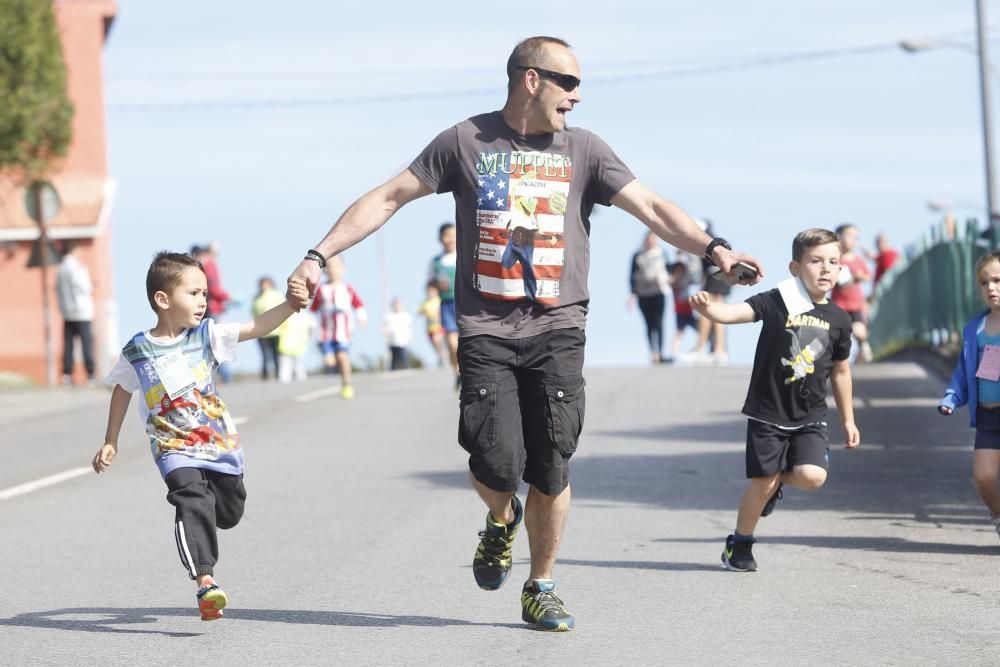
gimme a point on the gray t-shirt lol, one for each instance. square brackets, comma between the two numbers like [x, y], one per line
[522, 208]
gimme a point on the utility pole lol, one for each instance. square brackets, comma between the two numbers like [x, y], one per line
[984, 97]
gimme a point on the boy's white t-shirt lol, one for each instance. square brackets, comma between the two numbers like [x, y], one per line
[187, 423]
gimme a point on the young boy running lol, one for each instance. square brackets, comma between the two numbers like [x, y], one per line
[801, 344]
[192, 437]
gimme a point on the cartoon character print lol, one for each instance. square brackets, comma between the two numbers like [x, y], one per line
[182, 426]
[801, 359]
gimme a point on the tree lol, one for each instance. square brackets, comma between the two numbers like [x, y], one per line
[36, 113]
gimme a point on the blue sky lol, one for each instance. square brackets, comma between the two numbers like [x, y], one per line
[762, 151]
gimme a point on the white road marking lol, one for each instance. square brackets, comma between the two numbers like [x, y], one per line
[319, 393]
[51, 480]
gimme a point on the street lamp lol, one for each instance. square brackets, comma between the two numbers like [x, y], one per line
[939, 205]
[915, 46]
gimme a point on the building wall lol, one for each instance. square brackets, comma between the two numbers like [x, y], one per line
[80, 178]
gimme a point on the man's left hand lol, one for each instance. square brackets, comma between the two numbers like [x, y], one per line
[727, 259]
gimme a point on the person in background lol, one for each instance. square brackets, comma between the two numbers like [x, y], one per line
[430, 309]
[884, 257]
[849, 294]
[218, 297]
[681, 285]
[335, 304]
[648, 281]
[712, 334]
[76, 303]
[293, 341]
[266, 299]
[398, 331]
[442, 274]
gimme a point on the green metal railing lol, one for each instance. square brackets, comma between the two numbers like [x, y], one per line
[930, 294]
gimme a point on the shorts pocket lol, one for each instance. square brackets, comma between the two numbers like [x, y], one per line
[477, 422]
[566, 402]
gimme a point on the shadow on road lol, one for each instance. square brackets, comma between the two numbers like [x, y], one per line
[883, 544]
[644, 565]
[107, 619]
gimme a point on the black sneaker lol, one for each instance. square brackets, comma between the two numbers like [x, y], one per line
[739, 555]
[772, 501]
[491, 564]
[541, 607]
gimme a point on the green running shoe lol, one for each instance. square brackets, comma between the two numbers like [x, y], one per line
[541, 607]
[739, 555]
[491, 565]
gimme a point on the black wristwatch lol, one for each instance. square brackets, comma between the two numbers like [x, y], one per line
[717, 241]
[316, 256]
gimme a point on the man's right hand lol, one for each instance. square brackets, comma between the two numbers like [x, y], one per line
[308, 271]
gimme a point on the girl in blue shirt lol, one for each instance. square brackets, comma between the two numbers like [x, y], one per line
[976, 381]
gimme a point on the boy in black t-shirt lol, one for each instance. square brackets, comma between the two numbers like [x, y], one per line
[787, 439]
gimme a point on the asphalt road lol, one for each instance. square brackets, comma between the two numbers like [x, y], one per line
[360, 528]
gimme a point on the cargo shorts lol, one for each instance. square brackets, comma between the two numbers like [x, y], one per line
[521, 408]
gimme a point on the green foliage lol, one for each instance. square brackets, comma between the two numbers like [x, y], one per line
[35, 112]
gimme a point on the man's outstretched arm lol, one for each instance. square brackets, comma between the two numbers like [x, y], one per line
[673, 225]
[362, 218]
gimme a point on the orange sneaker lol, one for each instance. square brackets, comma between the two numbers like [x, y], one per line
[211, 601]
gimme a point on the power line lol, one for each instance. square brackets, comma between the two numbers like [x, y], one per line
[706, 66]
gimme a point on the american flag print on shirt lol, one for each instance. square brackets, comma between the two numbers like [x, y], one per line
[520, 211]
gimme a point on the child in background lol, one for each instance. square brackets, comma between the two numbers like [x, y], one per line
[976, 382]
[680, 284]
[430, 309]
[192, 437]
[787, 438]
[335, 304]
[293, 341]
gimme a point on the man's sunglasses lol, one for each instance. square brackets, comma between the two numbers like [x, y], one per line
[567, 82]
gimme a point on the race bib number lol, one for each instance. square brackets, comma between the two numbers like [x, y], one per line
[989, 365]
[174, 373]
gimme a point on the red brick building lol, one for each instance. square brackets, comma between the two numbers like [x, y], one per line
[87, 195]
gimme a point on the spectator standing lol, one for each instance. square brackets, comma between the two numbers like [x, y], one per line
[293, 341]
[648, 281]
[398, 331]
[266, 299]
[76, 303]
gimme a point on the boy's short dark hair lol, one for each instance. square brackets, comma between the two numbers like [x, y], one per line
[445, 227]
[810, 238]
[677, 266]
[165, 272]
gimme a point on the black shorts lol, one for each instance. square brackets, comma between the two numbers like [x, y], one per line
[772, 450]
[987, 428]
[522, 405]
[685, 320]
[857, 316]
